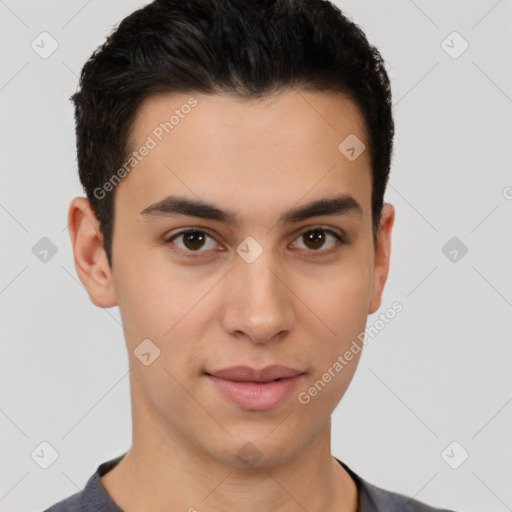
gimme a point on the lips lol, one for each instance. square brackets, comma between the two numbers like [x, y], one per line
[256, 390]
[247, 374]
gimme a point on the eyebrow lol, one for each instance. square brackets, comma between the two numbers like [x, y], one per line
[174, 205]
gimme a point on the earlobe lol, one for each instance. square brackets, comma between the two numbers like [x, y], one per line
[382, 256]
[89, 256]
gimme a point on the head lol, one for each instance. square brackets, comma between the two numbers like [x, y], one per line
[245, 109]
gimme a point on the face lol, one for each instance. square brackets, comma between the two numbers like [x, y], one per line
[263, 273]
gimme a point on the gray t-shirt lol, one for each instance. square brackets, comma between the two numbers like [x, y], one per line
[94, 496]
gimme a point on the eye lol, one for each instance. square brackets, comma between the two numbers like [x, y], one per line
[314, 239]
[192, 240]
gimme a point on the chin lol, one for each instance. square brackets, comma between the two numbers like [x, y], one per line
[256, 448]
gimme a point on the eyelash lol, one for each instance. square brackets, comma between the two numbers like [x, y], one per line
[340, 240]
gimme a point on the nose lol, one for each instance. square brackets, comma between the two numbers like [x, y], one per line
[258, 303]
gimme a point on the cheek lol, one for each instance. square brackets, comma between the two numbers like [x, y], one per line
[323, 391]
[151, 295]
[342, 296]
[339, 310]
[164, 305]
[342, 306]
[161, 321]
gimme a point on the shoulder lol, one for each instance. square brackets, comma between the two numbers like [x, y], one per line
[93, 497]
[69, 504]
[375, 499]
[384, 501]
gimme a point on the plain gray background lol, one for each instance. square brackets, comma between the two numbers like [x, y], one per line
[439, 373]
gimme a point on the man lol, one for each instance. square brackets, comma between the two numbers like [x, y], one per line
[235, 156]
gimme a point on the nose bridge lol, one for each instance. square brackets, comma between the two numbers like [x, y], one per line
[259, 303]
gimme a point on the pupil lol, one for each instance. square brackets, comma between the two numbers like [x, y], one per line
[316, 236]
[196, 238]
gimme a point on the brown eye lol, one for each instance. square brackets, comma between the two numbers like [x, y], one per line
[193, 240]
[314, 241]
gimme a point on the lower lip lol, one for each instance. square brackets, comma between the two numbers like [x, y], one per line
[256, 396]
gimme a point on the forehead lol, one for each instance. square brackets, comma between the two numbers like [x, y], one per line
[224, 149]
[288, 114]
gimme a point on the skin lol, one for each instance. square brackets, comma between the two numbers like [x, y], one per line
[214, 310]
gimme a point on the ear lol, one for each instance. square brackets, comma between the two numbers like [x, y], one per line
[382, 255]
[89, 256]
